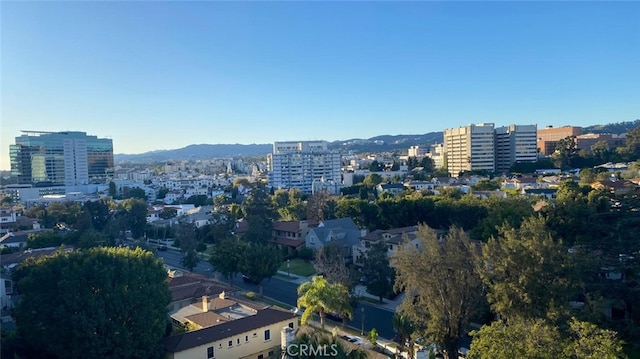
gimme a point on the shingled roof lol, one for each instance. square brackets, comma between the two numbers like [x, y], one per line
[192, 339]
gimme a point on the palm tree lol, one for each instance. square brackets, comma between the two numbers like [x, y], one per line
[314, 296]
[323, 297]
[404, 329]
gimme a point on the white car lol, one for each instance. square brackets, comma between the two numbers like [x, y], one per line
[355, 340]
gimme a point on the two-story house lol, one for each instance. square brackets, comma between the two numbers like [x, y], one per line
[290, 234]
[231, 333]
[341, 231]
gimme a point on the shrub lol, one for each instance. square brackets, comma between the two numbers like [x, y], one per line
[251, 295]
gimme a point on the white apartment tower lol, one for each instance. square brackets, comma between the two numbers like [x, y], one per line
[299, 164]
[470, 148]
[514, 144]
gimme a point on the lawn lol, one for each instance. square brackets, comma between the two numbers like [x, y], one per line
[299, 266]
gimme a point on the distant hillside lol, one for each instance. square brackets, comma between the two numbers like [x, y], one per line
[197, 152]
[204, 151]
[383, 143]
[613, 128]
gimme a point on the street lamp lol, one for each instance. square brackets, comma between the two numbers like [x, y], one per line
[362, 311]
[288, 265]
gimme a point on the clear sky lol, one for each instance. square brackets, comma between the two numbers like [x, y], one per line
[165, 74]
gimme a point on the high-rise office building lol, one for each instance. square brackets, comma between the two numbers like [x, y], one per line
[60, 158]
[299, 164]
[514, 144]
[470, 148]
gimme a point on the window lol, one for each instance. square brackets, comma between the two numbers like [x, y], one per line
[291, 325]
[267, 335]
[238, 341]
[271, 353]
[210, 353]
[260, 356]
[230, 343]
[246, 338]
[255, 335]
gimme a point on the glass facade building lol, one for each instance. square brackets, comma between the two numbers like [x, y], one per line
[61, 158]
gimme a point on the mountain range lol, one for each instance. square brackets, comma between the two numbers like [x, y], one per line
[382, 143]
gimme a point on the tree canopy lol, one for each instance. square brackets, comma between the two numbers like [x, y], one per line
[441, 276]
[102, 302]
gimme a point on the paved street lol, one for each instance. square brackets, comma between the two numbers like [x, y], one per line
[286, 292]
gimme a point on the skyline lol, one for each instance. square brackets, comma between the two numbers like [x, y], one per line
[163, 75]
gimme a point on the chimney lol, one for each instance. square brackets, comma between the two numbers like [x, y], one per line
[287, 335]
[205, 303]
[221, 295]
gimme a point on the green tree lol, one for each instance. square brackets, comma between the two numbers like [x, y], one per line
[442, 285]
[380, 276]
[632, 144]
[168, 212]
[162, 192]
[136, 214]
[138, 192]
[527, 274]
[197, 200]
[186, 235]
[227, 257]
[320, 296]
[566, 151]
[99, 212]
[404, 329]
[537, 339]
[259, 214]
[320, 206]
[330, 261]
[261, 261]
[68, 309]
[534, 339]
[372, 180]
[112, 189]
[373, 337]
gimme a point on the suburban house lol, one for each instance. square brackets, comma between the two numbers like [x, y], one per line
[341, 231]
[391, 188]
[290, 234]
[421, 185]
[227, 329]
[8, 218]
[392, 237]
[522, 183]
[549, 193]
[614, 187]
[18, 239]
[188, 288]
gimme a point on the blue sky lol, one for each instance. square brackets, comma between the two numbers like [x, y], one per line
[161, 75]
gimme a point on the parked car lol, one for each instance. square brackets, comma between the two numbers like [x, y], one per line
[162, 248]
[248, 279]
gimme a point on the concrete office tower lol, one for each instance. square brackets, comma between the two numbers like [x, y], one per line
[298, 164]
[417, 151]
[470, 148]
[549, 136]
[60, 158]
[438, 155]
[514, 144]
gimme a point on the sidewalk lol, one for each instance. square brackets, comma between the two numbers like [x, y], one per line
[293, 277]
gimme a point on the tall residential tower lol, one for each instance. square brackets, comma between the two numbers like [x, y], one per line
[299, 164]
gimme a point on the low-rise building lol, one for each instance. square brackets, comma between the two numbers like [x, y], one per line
[255, 335]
